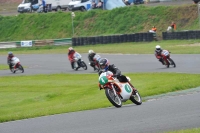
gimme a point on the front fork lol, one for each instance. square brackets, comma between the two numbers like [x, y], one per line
[115, 93]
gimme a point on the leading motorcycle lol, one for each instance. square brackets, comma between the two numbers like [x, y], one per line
[118, 92]
[16, 65]
[167, 59]
[78, 62]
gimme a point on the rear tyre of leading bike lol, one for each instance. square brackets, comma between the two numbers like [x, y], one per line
[115, 100]
[136, 98]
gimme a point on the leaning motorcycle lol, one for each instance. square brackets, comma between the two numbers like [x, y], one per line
[78, 62]
[167, 59]
[96, 59]
[118, 92]
[16, 65]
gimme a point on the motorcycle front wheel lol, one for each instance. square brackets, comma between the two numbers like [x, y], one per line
[83, 65]
[136, 98]
[172, 62]
[21, 68]
[115, 100]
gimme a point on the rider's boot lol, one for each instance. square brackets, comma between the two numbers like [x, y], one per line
[161, 60]
[94, 68]
[15, 68]
[134, 90]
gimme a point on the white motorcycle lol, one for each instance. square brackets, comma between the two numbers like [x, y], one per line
[78, 62]
[96, 60]
[118, 92]
[16, 65]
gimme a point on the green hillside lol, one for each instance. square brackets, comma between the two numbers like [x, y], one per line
[130, 19]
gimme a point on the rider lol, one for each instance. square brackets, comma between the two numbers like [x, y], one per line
[71, 56]
[105, 66]
[90, 57]
[9, 59]
[158, 52]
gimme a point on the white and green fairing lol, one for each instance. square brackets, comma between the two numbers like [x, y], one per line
[126, 90]
[103, 80]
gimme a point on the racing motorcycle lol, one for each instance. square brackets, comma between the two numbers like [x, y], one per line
[96, 60]
[116, 91]
[78, 62]
[167, 59]
[16, 65]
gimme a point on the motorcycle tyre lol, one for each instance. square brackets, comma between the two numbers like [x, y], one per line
[83, 65]
[96, 69]
[107, 91]
[172, 62]
[21, 68]
[12, 70]
[132, 98]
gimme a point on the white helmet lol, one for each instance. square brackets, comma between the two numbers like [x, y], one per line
[70, 48]
[158, 48]
[90, 51]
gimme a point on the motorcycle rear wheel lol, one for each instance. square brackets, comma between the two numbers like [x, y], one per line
[136, 98]
[115, 100]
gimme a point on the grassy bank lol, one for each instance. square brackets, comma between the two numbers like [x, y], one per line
[40, 95]
[129, 19]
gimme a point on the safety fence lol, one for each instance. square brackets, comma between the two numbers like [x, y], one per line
[134, 37]
[32, 43]
[180, 35]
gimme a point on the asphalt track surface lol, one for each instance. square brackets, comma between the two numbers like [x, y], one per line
[58, 63]
[166, 113]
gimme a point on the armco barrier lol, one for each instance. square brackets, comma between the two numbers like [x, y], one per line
[121, 38]
[181, 35]
[64, 41]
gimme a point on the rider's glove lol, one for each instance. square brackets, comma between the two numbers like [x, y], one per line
[100, 87]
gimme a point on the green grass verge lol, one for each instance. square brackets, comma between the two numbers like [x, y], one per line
[40, 95]
[175, 46]
[3, 67]
[194, 130]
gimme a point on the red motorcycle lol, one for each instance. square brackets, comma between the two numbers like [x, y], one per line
[118, 92]
[167, 59]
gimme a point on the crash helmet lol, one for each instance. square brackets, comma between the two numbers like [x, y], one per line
[158, 48]
[10, 54]
[70, 48]
[104, 64]
[90, 51]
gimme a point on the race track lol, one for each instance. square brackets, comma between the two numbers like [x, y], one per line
[58, 63]
[179, 111]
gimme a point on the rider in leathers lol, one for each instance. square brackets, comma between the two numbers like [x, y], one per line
[158, 52]
[105, 66]
[9, 59]
[90, 57]
[71, 56]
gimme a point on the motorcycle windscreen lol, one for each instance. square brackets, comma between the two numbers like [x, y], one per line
[15, 60]
[77, 55]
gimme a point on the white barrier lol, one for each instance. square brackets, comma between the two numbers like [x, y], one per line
[7, 45]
